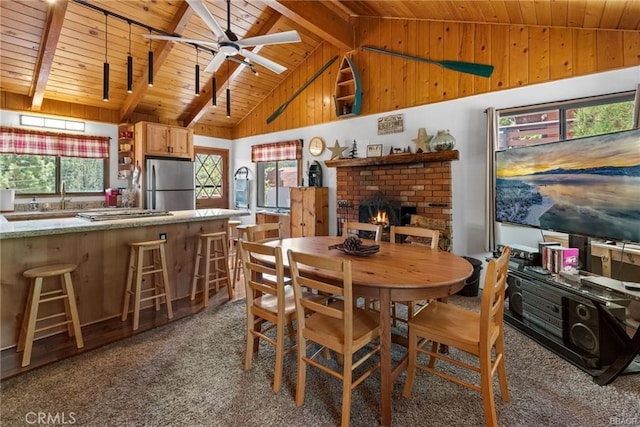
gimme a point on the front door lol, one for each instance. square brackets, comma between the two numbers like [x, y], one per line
[212, 178]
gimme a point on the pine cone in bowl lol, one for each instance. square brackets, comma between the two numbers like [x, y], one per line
[352, 244]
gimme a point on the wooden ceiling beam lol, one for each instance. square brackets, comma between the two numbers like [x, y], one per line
[48, 45]
[160, 54]
[340, 9]
[318, 19]
[202, 103]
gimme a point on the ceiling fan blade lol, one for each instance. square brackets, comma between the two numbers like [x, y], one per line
[208, 18]
[268, 39]
[181, 39]
[261, 60]
[215, 63]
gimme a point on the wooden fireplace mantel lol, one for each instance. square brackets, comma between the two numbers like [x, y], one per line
[394, 159]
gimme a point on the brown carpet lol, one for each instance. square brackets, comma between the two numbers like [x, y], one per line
[189, 373]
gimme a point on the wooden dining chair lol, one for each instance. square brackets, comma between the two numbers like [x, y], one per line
[471, 332]
[415, 236]
[374, 231]
[331, 323]
[270, 304]
[264, 233]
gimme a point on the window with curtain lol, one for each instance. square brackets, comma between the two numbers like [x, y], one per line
[37, 162]
[559, 121]
[278, 168]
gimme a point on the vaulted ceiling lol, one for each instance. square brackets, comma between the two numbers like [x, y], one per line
[56, 50]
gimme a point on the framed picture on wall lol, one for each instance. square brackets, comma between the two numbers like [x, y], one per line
[374, 150]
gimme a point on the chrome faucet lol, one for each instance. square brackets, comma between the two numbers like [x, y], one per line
[63, 201]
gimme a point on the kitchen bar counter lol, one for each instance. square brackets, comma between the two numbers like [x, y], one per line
[100, 250]
[43, 227]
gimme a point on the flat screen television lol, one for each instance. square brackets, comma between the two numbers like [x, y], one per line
[587, 186]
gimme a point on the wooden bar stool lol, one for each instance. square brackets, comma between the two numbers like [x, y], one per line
[138, 268]
[216, 252]
[37, 297]
[237, 261]
[233, 245]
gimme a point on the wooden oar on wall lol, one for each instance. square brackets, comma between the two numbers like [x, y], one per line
[281, 108]
[482, 70]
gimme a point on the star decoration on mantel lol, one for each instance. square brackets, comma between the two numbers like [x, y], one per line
[337, 150]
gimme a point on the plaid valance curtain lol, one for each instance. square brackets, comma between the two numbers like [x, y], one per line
[27, 141]
[285, 150]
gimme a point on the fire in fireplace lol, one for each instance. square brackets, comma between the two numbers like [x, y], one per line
[382, 210]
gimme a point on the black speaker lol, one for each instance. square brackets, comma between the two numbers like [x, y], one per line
[587, 331]
[514, 292]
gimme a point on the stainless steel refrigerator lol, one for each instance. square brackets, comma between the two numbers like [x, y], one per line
[169, 185]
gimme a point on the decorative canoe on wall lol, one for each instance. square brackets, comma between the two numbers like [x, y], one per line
[348, 95]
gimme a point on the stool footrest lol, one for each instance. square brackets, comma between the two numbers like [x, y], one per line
[153, 297]
[145, 272]
[44, 328]
[53, 298]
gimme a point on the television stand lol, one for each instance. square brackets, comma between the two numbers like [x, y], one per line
[577, 318]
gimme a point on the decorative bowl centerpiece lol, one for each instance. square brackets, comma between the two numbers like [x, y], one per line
[352, 245]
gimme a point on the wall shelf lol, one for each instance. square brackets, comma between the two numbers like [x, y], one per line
[395, 159]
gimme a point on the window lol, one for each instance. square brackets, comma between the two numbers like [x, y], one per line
[212, 185]
[43, 175]
[35, 162]
[47, 122]
[278, 168]
[274, 179]
[560, 121]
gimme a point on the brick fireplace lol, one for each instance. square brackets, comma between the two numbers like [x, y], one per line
[420, 181]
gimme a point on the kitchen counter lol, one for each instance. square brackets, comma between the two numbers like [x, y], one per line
[51, 226]
[100, 249]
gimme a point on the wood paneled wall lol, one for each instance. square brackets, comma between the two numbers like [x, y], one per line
[522, 55]
[16, 102]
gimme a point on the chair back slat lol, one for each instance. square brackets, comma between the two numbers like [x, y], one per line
[264, 232]
[253, 271]
[375, 230]
[421, 232]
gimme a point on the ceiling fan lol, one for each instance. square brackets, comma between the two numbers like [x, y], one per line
[228, 45]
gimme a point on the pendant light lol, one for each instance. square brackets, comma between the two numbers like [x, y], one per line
[214, 91]
[105, 69]
[197, 85]
[129, 65]
[150, 74]
[228, 94]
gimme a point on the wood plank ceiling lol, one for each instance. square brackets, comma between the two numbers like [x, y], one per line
[56, 50]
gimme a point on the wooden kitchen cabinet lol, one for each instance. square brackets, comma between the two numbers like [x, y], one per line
[165, 141]
[309, 211]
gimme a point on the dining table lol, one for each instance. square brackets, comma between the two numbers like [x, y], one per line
[395, 273]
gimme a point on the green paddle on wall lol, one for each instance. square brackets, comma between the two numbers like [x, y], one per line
[482, 70]
[281, 108]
